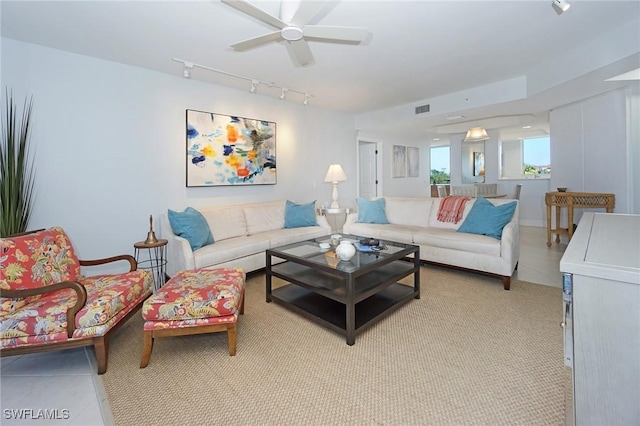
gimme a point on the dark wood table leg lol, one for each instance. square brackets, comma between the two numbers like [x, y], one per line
[416, 275]
[268, 277]
[351, 313]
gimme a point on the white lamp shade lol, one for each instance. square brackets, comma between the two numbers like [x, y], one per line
[335, 174]
[476, 134]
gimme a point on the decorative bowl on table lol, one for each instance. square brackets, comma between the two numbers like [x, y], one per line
[345, 250]
[562, 189]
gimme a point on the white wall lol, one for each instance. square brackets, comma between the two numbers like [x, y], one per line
[109, 144]
[407, 186]
[633, 128]
[589, 148]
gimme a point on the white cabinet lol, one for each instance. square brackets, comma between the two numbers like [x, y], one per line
[603, 259]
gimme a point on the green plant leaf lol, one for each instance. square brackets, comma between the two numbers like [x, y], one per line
[17, 173]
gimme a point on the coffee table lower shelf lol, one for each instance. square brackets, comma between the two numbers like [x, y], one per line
[332, 314]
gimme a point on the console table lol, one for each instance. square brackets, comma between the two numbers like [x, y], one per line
[572, 200]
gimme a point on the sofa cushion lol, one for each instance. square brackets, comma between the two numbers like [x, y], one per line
[45, 319]
[191, 225]
[391, 232]
[226, 222]
[282, 237]
[433, 217]
[450, 239]
[299, 215]
[487, 219]
[196, 294]
[264, 217]
[229, 249]
[408, 211]
[371, 211]
[37, 260]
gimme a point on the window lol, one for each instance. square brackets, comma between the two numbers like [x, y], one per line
[526, 159]
[440, 165]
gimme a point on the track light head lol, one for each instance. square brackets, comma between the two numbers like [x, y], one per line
[254, 86]
[283, 93]
[560, 6]
[306, 99]
[186, 72]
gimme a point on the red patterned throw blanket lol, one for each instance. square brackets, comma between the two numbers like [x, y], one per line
[451, 208]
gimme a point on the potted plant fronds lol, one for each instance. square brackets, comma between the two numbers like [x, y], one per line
[16, 168]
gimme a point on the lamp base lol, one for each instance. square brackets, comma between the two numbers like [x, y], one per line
[334, 196]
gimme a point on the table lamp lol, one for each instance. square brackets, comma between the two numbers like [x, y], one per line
[334, 175]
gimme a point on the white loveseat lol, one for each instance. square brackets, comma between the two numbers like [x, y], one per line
[242, 233]
[415, 221]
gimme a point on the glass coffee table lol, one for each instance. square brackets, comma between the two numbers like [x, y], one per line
[344, 296]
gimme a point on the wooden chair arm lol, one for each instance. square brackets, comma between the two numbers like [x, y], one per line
[81, 298]
[132, 261]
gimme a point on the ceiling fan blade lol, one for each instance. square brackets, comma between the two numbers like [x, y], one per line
[257, 41]
[306, 11]
[300, 52]
[353, 34]
[256, 12]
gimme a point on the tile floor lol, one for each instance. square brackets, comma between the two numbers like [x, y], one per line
[67, 380]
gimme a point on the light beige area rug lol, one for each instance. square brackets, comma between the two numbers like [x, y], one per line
[466, 353]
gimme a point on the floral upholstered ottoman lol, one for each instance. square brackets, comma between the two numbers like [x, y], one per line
[194, 302]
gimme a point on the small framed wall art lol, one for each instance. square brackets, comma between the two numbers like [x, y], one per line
[413, 161]
[399, 165]
[229, 150]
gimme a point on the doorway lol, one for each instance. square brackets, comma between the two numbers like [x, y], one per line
[369, 164]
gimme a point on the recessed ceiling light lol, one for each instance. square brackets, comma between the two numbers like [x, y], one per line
[436, 139]
[454, 117]
[526, 127]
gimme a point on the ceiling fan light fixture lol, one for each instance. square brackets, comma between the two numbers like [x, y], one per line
[291, 33]
[297, 22]
[560, 6]
[476, 134]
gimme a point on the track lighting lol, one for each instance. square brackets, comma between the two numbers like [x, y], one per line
[186, 72]
[188, 66]
[560, 6]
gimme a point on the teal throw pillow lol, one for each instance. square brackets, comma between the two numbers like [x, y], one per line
[299, 215]
[371, 211]
[484, 218]
[191, 225]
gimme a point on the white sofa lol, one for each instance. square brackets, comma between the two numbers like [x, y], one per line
[241, 232]
[414, 221]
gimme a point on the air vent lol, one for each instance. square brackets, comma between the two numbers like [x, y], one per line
[422, 109]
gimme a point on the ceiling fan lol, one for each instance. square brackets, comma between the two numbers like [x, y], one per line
[294, 29]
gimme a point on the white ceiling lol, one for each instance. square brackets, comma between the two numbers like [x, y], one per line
[416, 51]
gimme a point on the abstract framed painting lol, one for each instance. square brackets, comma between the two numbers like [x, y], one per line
[229, 150]
[399, 164]
[413, 161]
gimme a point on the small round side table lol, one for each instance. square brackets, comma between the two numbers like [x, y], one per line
[157, 260]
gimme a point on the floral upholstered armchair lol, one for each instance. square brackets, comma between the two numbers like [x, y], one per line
[46, 304]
